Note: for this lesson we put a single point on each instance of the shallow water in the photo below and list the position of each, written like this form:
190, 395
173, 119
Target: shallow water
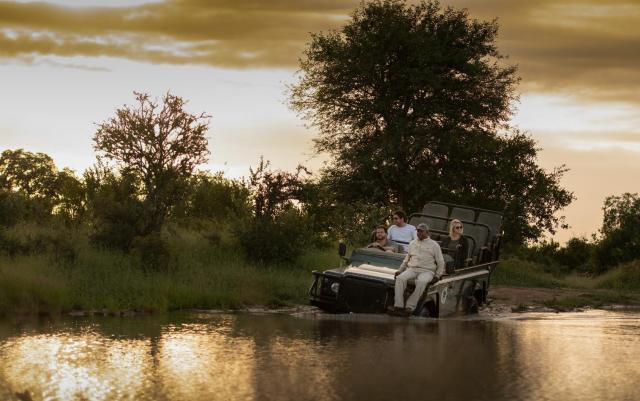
592, 355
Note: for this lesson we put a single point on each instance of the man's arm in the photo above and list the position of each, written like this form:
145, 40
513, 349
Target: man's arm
404, 264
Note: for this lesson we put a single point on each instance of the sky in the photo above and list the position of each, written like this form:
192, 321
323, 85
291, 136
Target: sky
67, 65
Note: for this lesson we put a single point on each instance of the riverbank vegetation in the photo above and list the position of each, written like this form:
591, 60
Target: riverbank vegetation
198, 274
147, 228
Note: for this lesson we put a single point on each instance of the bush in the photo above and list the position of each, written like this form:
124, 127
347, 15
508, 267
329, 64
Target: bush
513, 271
117, 215
213, 197
153, 252
278, 240
576, 255
625, 277
59, 243
619, 246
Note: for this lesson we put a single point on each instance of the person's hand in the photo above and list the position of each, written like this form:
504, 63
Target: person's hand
435, 279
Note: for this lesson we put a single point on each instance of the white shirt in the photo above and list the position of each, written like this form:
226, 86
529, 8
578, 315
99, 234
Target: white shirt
424, 255
406, 233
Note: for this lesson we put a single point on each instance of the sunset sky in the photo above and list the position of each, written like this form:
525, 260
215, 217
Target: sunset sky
66, 65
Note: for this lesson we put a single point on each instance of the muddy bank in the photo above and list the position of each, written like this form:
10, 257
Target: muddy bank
518, 299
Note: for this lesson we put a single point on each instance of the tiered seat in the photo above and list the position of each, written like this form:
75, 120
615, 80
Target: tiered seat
462, 214
493, 220
436, 217
481, 227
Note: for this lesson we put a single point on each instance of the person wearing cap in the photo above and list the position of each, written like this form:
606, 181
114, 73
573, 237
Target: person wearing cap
423, 262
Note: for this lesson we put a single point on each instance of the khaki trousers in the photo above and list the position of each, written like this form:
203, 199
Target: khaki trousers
422, 278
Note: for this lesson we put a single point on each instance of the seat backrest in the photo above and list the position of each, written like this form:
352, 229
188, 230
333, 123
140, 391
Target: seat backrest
493, 220
463, 214
471, 246
479, 233
434, 223
436, 209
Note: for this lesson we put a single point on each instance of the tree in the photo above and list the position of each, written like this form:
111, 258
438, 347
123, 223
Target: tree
620, 241
161, 146
37, 188
278, 228
412, 104
34, 174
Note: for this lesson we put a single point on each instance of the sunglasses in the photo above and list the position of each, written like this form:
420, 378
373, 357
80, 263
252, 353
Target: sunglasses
458, 227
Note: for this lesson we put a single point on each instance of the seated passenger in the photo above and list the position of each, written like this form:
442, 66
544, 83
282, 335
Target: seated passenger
452, 241
401, 231
381, 241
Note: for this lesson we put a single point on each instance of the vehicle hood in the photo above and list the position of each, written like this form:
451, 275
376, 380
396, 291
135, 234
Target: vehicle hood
371, 271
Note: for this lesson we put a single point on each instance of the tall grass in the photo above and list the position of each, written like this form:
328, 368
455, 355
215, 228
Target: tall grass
625, 277
619, 285
198, 275
522, 273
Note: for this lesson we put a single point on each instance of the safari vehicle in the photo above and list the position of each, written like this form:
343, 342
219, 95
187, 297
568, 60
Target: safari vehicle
366, 284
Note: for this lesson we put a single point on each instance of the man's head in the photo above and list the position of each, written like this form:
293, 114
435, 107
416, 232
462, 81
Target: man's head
399, 218
381, 233
423, 231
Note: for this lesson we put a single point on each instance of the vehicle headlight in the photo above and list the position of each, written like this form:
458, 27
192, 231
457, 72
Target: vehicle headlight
335, 287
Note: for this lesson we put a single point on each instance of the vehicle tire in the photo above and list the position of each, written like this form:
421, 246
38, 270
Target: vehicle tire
472, 305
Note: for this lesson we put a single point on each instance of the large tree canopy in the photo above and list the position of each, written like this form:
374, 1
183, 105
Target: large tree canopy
412, 104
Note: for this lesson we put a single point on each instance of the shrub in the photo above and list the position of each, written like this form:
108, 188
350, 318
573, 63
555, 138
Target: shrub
278, 240
576, 255
625, 277
117, 215
59, 243
153, 251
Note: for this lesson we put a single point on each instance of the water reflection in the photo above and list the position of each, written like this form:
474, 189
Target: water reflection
194, 361
68, 367
249, 357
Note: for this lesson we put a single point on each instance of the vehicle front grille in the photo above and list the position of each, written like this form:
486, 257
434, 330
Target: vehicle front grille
363, 296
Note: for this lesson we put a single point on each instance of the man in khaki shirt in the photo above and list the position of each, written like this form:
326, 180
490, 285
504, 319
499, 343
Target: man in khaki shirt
423, 261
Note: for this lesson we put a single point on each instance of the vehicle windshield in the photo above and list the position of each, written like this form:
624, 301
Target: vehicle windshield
376, 257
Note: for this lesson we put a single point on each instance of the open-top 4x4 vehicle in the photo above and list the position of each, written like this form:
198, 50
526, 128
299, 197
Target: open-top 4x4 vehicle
366, 284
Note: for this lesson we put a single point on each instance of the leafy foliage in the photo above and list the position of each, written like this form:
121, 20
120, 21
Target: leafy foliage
412, 104
620, 231
277, 230
32, 188
159, 146
214, 197
115, 212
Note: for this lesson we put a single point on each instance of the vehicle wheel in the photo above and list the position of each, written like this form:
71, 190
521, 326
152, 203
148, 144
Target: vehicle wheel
472, 305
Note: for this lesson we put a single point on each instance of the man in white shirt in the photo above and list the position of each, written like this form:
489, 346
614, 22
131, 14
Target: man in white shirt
424, 260
400, 230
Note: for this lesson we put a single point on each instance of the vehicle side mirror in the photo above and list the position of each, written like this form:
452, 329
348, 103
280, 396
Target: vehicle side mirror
342, 249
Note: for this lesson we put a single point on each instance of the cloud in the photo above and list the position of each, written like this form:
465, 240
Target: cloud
222, 33
586, 48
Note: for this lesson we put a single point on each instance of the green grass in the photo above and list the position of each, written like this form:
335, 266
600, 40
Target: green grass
62, 272
198, 276
521, 273
620, 285
625, 278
